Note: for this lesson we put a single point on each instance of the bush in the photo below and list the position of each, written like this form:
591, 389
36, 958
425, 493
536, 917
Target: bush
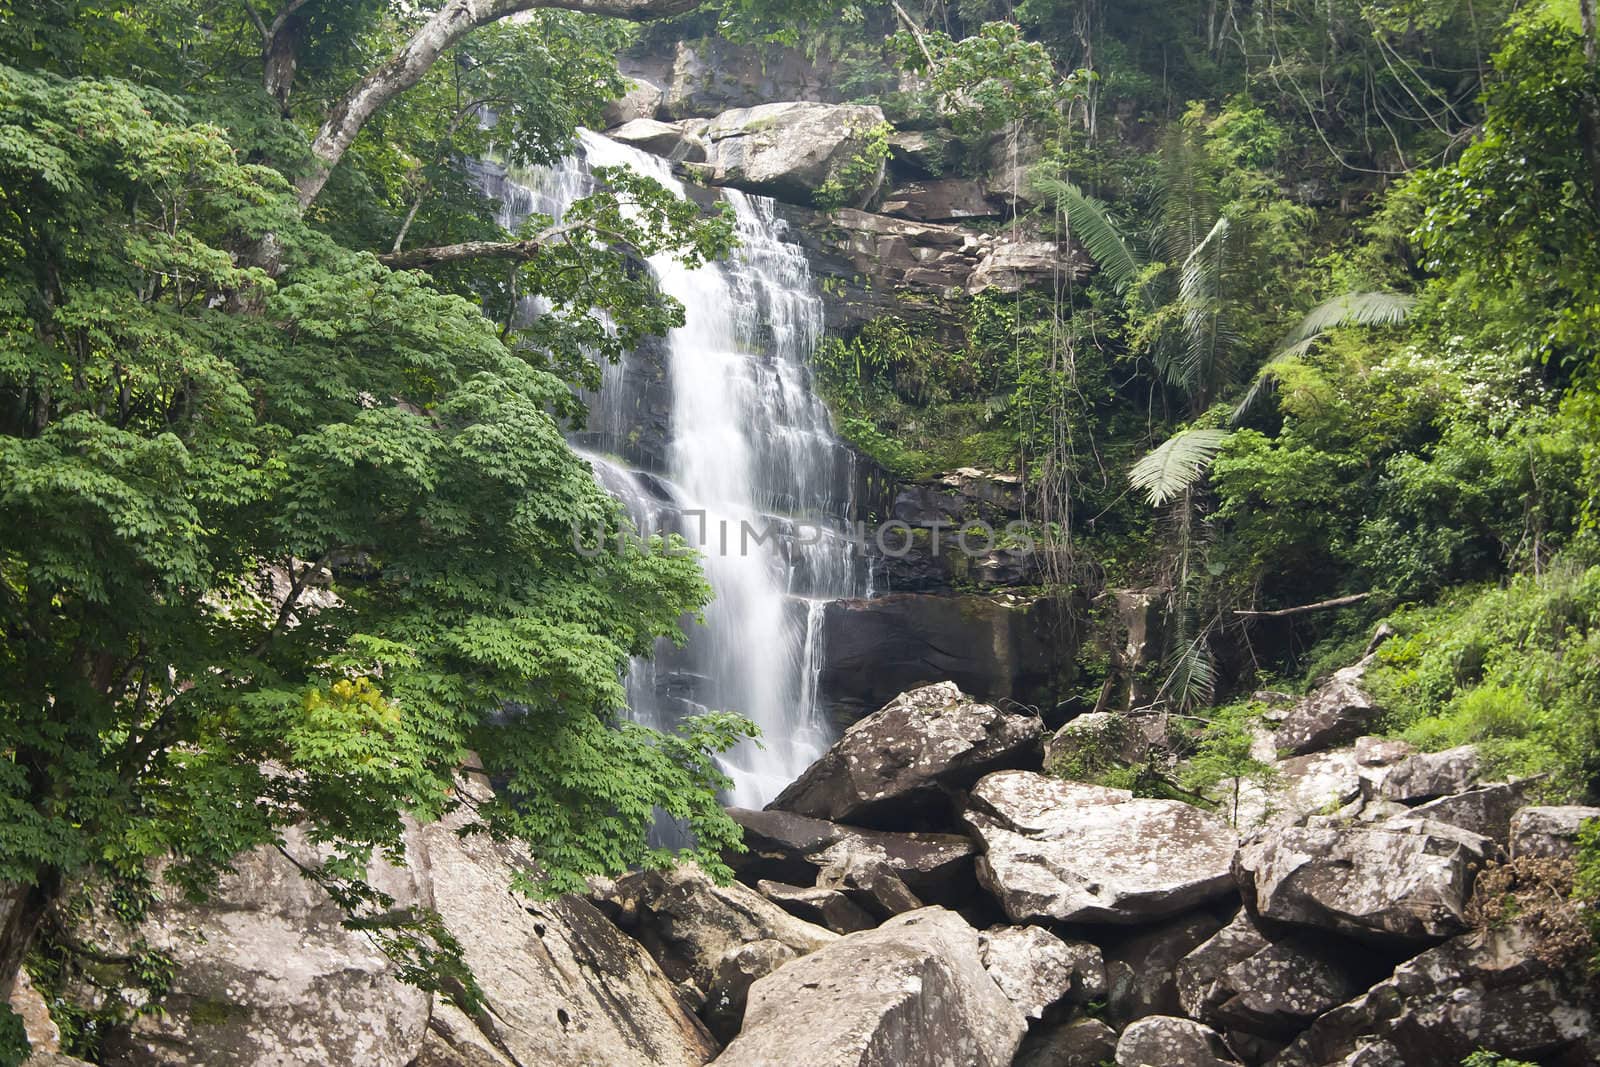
1514, 669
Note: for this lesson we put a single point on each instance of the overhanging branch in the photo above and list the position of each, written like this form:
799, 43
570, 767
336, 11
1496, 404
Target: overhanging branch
432, 39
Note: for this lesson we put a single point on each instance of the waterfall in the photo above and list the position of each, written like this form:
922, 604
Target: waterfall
750, 471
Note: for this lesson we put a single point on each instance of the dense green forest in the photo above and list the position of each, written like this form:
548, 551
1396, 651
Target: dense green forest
1343, 341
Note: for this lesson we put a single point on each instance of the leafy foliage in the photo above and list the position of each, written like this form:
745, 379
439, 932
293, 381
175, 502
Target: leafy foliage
1174, 467
288, 541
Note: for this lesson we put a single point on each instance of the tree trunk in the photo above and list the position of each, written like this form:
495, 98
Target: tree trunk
1589, 107
435, 37
27, 908
279, 59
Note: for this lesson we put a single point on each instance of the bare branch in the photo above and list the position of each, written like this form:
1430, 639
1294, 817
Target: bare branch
422, 258
1321, 605
438, 35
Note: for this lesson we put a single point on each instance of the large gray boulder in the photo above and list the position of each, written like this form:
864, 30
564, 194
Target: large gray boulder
641, 101
1016, 265
1037, 970
674, 141
1058, 851
1168, 1041
1080, 1043
1550, 832
943, 200
1340, 710
889, 768
1300, 786
1486, 810
1197, 974
562, 985
827, 908
786, 847
793, 150
1485, 990
1428, 775
913, 992
266, 973
689, 924
1279, 990
1397, 881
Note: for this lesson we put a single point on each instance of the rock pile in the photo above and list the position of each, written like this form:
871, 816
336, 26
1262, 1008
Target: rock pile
924, 894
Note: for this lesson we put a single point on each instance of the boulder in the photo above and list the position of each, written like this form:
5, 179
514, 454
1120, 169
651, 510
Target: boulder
785, 847
736, 973
1281, 989
1340, 710
1299, 787
1092, 743
863, 872
1081, 1043
922, 152
641, 101
1068, 852
689, 924
958, 497
1036, 969
827, 908
455, 1040
891, 766
792, 150
1168, 1041
1486, 990
1549, 831
1141, 970
1393, 881
1486, 810
566, 986
41, 1031
710, 74
1197, 974
1428, 775
942, 200
266, 972
912, 992
54, 1059
670, 140
997, 647
1381, 751
1017, 265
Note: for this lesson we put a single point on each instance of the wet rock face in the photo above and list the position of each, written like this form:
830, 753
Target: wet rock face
996, 647
912, 992
1067, 852
1392, 881
891, 766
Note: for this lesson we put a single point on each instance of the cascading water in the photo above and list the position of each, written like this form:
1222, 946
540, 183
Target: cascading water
751, 473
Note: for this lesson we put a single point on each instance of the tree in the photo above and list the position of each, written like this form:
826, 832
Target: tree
288, 545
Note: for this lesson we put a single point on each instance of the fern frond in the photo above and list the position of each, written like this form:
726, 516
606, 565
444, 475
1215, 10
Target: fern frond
1176, 465
1090, 222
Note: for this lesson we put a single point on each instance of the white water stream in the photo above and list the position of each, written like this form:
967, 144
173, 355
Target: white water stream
752, 476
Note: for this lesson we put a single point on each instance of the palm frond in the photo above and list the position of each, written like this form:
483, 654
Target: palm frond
1193, 680
1090, 222
1188, 196
1200, 297
1347, 309
1176, 465
1350, 309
